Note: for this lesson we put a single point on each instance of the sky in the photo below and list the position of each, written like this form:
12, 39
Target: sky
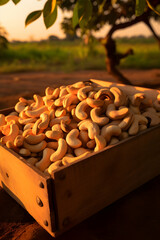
12, 18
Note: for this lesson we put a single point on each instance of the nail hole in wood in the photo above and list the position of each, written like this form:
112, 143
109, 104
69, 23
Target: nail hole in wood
7, 175
41, 185
45, 222
39, 201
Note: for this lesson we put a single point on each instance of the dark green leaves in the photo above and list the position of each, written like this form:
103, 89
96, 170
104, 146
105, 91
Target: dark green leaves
50, 13
82, 13
16, 1
140, 7
32, 17
2, 2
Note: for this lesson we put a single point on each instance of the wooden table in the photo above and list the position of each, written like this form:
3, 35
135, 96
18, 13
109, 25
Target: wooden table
135, 216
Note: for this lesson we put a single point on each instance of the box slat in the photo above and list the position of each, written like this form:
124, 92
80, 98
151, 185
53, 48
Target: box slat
89, 185
30, 188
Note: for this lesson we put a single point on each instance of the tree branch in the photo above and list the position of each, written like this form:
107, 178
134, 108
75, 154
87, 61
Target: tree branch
147, 22
128, 24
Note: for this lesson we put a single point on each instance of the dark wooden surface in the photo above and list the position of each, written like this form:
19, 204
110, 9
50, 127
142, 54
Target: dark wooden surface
135, 216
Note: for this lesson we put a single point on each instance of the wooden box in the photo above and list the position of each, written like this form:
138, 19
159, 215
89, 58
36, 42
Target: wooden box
83, 188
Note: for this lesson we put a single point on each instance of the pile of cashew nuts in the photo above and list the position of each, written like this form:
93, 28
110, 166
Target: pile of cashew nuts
71, 122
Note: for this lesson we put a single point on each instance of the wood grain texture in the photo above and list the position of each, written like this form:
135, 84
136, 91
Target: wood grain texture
89, 185
22, 182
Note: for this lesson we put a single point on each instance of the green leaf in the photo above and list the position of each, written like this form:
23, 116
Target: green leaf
75, 19
2, 2
49, 7
16, 1
140, 7
84, 12
32, 17
156, 10
50, 18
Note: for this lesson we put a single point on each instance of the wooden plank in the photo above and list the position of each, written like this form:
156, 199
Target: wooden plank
130, 90
30, 188
91, 184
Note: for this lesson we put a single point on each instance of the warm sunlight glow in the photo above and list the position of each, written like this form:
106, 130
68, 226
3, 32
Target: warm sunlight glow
12, 18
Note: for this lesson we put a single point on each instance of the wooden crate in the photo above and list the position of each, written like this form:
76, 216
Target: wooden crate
86, 186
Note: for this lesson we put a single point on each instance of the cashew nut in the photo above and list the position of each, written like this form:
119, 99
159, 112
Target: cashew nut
154, 118
126, 122
55, 135
91, 144
2, 120
82, 92
94, 102
35, 139
18, 141
14, 131
70, 99
53, 145
45, 161
80, 111
100, 143
137, 120
72, 139
92, 127
116, 114
38, 102
104, 94
36, 147
113, 141
69, 160
108, 131
119, 97
80, 151
32, 160
54, 166
101, 121
66, 119
83, 136
136, 99
45, 120
60, 152
37, 112
24, 152
20, 106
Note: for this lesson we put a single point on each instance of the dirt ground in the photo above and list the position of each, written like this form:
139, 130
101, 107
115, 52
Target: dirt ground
136, 216
12, 86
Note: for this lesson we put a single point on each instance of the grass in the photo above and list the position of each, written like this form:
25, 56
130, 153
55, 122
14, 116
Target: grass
70, 56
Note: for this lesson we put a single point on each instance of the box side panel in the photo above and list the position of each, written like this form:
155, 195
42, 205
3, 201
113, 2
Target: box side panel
91, 184
27, 187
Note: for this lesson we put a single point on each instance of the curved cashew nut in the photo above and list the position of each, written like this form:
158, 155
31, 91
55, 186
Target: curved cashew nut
18, 141
27, 132
45, 161
54, 121
54, 166
154, 118
91, 94
65, 128
73, 89
137, 120
119, 97
60, 152
70, 99
83, 136
24, 152
28, 126
49, 91
91, 144
55, 135
23, 115
136, 99
13, 113
72, 139
63, 92
69, 160
32, 160
108, 131
20, 106
10, 145
59, 101
104, 94
52, 114
156, 103
92, 127
94, 102
80, 110
123, 135
14, 131
27, 120
116, 114
78, 85
45, 120
82, 92
35, 139
80, 151
36, 147
94, 113
100, 143
2, 120
73, 113
38, 102
10, 118
142, 127
134, 109
113, 141
60, 112
37, 112
126, 122
53, 145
